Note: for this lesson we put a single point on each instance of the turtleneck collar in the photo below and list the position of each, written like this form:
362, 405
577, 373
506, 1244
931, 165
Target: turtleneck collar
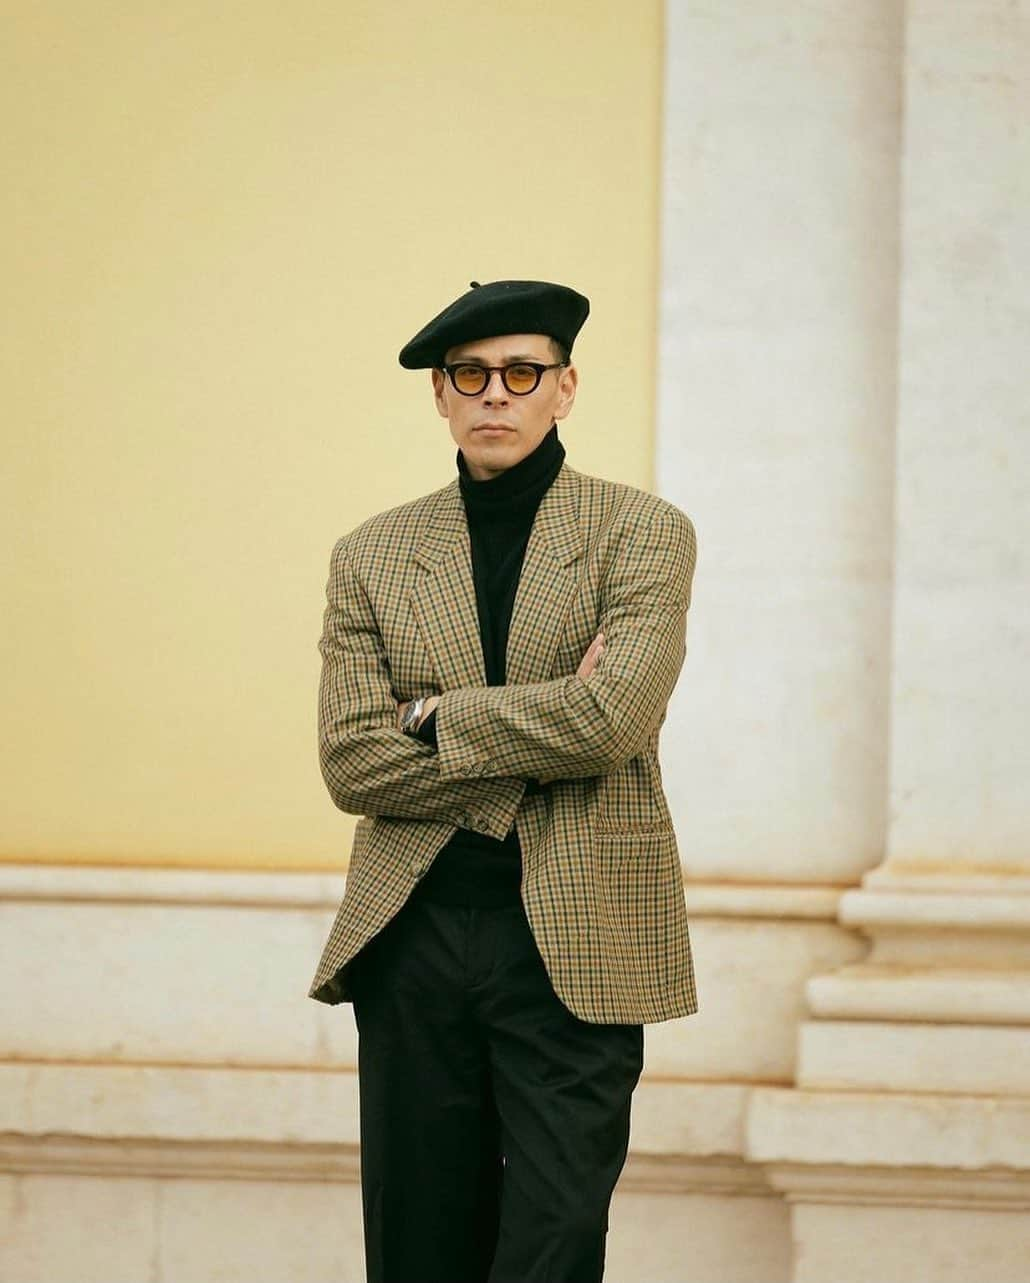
517, 488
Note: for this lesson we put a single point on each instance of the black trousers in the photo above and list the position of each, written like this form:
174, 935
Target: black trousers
494, 1123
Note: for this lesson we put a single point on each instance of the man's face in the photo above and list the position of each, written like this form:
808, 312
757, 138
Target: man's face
495, 428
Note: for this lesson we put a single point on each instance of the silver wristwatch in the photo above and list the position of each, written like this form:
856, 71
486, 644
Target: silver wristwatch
413, 715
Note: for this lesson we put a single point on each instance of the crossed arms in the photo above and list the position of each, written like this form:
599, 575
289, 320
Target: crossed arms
490, 739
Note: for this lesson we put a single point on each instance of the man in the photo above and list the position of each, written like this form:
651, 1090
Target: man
498, 657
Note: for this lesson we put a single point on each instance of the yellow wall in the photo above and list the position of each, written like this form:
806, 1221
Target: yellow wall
220, 222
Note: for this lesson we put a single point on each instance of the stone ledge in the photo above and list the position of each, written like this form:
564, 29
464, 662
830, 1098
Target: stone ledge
779, 901
228, 1105
678, 1174
112, 985
944, 995
64, 883
997, 1190
943, 877
74, 883
703, 1120
945, 1133
239, 1123
952, 908
971, 924
967, 1059
69, 1155
194, 1104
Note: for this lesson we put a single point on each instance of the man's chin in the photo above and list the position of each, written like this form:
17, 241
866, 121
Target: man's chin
493, 455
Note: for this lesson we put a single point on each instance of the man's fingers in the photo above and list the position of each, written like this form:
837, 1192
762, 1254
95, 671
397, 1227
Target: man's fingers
593, 653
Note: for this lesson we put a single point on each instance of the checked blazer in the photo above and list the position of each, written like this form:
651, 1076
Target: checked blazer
601, 880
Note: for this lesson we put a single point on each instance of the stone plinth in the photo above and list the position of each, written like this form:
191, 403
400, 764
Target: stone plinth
167, 1061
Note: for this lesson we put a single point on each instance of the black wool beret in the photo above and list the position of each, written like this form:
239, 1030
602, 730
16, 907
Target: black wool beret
500, 307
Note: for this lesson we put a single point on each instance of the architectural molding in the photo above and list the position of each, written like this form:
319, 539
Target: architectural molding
781, 901
946, 1132
63, 883
146, 1158
75, 883
886, 991
993, 1189
973, 1059
953, 908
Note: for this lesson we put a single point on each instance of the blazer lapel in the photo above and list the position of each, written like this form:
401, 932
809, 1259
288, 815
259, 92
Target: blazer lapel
444, 599
547, 586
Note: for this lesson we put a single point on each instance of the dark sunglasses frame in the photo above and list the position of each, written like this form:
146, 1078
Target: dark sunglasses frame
502, 370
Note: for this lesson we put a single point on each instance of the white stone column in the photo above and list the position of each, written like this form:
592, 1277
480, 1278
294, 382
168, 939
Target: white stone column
906, 1148
960, 691
775, 433
776, 428
949, 909
777, 396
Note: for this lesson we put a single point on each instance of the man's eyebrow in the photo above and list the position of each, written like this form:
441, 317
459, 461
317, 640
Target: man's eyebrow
511, 360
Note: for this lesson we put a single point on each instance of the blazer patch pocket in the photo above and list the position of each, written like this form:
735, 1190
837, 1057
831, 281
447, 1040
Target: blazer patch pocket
630, 800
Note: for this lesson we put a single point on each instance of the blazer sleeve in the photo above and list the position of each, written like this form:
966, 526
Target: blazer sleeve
369, 765
572, 726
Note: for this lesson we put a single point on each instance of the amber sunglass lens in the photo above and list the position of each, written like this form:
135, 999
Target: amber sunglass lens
470, 378
520, 378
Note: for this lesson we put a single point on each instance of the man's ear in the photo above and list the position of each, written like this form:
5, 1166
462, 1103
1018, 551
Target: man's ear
567, 384
439, 393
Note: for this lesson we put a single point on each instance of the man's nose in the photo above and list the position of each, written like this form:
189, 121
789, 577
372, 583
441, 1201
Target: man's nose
495, 389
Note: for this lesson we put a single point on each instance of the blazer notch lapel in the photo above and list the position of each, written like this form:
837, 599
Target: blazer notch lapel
444, 599
442, 528
547, 586
557, 519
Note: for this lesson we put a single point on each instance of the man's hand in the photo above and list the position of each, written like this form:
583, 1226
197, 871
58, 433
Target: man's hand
593, 654
586, 666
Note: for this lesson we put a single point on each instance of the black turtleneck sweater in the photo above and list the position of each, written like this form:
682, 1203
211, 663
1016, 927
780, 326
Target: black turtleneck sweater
473, 868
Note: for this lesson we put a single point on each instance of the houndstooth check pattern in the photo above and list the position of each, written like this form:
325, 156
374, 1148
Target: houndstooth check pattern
601, 877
